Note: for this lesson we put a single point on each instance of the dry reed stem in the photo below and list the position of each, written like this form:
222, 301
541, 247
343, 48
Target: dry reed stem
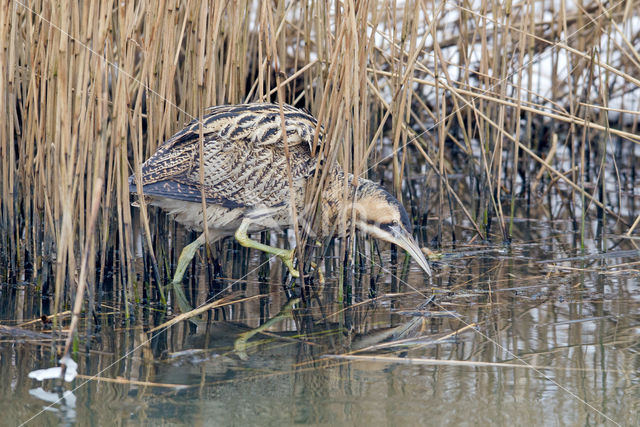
39, 320
125, 381
457, 363
91, 90
223, 302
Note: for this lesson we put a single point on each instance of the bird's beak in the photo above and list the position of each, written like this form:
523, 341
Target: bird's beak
402, 238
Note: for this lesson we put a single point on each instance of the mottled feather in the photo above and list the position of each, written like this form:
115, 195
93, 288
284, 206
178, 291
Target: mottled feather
244, 157
246, 186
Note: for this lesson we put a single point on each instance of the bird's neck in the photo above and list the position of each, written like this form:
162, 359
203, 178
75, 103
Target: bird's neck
340, 191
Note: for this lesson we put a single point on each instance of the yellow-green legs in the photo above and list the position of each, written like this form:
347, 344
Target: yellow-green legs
241, 345
189, 251
285, 255
186, 256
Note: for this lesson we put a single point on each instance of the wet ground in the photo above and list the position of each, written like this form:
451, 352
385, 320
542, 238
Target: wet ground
532, 334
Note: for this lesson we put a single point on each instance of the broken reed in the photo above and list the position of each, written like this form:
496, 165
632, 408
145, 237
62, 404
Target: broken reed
90, 90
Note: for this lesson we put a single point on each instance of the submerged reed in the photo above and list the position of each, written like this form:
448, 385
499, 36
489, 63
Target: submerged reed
469, 115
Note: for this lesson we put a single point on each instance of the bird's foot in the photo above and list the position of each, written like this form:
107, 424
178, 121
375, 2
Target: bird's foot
285, 255
186, 256
287, 258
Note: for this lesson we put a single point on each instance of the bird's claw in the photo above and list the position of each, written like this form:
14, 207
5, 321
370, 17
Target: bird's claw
287, 259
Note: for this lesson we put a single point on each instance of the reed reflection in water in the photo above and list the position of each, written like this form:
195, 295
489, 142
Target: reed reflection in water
527, 334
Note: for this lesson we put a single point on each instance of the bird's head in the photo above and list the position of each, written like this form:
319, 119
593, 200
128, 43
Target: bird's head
381, 215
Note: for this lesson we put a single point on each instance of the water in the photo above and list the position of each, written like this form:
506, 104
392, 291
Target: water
409, 351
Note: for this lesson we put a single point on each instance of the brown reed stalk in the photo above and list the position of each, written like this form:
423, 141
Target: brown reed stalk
92, 89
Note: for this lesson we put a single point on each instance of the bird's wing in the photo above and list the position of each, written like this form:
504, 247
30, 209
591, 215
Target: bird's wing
244, 160
261, 124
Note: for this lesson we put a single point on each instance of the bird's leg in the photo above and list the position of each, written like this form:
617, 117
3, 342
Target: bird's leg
285, 255
186, 256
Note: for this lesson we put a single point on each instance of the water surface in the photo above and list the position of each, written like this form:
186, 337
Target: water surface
531, 334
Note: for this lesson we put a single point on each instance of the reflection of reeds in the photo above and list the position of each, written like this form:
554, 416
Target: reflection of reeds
90, 92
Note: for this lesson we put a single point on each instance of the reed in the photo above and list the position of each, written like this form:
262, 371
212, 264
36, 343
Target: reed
453, 107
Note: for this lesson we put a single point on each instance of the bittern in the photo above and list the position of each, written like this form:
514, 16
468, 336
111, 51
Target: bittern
246, 183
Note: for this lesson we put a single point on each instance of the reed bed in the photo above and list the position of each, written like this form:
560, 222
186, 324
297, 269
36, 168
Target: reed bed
473, 114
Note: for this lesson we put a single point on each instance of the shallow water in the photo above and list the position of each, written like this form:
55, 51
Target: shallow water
531, 334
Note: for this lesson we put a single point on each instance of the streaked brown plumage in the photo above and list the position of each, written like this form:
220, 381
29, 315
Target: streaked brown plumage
245, 180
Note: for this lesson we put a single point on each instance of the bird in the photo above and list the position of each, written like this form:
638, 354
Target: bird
246, 183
